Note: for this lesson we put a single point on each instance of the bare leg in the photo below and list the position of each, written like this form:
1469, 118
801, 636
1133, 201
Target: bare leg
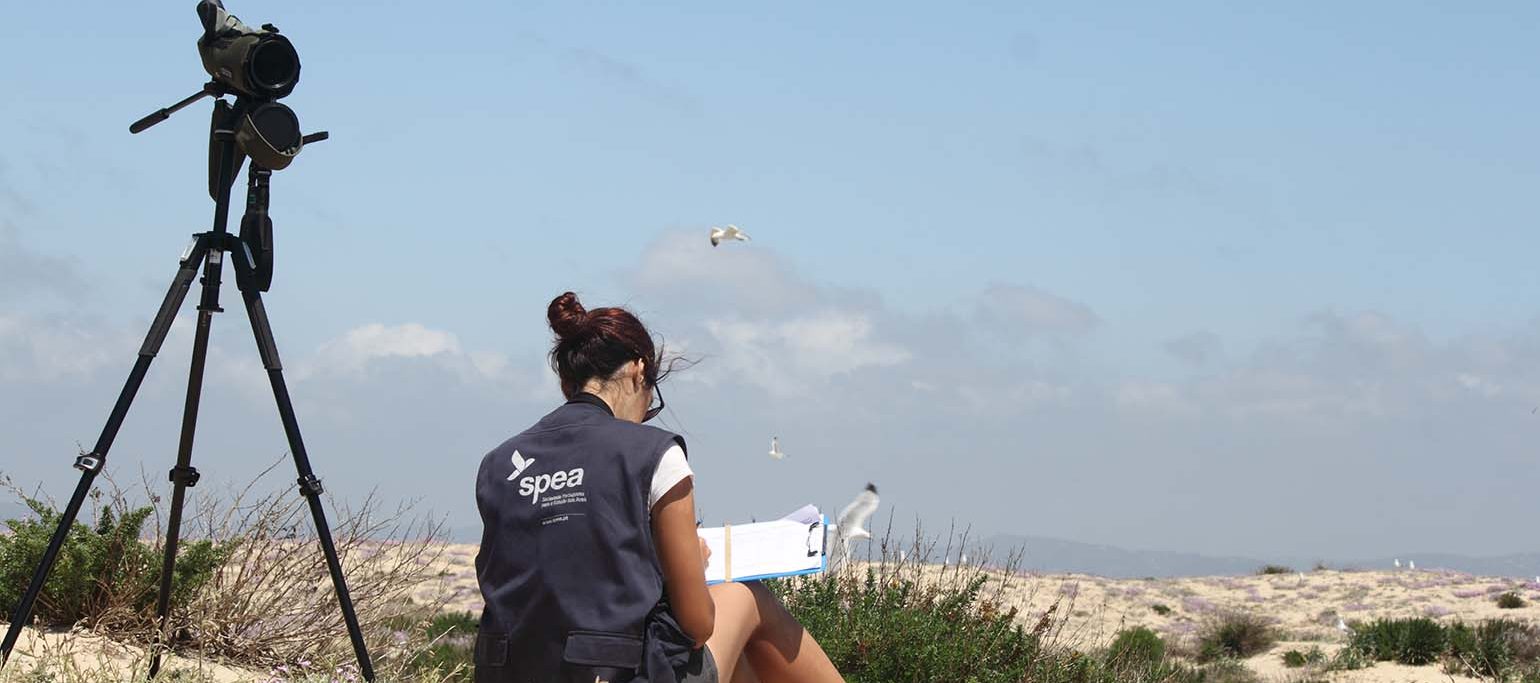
752, 625
743, 672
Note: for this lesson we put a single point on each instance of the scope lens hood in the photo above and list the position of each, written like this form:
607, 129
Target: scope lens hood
269, 134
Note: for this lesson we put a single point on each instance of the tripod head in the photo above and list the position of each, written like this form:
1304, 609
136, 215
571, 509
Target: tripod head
257, 67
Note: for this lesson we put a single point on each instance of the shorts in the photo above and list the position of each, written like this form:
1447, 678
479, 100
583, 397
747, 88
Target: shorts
702, 668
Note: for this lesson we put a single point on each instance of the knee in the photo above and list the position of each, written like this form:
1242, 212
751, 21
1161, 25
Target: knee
758, 590
733, 592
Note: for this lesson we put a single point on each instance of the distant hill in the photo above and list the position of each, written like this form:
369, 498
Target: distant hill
1055, 555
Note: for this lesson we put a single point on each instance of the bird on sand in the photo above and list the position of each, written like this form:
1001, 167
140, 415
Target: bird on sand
1397, 562
775, 448
1342, 626
1412, 565
731, 232
851, 524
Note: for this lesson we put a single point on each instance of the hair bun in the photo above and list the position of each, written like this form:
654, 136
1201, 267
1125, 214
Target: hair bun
567, 316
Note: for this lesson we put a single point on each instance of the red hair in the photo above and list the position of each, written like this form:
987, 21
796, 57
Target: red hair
596, 343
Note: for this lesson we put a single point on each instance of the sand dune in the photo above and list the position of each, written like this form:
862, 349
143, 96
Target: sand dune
1305, 610
1092, 608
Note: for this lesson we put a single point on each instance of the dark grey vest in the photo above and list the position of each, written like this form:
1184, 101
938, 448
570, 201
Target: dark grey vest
567, 565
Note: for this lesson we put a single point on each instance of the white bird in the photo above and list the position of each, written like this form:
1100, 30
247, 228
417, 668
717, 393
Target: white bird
1411, 565
1397, 561
719, 235
851, 524
775, 448
963, 559
1342, 626
904, 557
1302, 578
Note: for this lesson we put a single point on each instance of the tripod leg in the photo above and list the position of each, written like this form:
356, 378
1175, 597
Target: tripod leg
184, 475
309, 485
90, 464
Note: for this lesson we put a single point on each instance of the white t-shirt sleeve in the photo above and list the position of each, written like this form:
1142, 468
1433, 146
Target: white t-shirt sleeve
672, 469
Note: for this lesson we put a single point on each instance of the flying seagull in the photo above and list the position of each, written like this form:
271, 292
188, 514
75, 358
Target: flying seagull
775, 448
719, 235
852, 521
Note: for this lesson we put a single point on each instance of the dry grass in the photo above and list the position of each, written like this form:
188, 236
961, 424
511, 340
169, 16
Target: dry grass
271, 604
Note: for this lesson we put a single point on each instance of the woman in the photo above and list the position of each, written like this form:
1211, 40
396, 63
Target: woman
589, 564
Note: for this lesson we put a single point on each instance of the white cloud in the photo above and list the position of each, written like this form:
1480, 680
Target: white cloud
1196, 349
1155, 398
356, 348
743, 278
1483, 386
1032, 312
795, 355
48, 349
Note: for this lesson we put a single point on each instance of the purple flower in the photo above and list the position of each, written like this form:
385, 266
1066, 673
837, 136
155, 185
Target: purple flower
1182, 627
1469, 594
1196, 604
1436, 611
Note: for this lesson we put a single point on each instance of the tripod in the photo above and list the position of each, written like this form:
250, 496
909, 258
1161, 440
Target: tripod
207, 249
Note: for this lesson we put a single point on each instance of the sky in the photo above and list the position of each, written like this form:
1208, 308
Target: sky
1206, 277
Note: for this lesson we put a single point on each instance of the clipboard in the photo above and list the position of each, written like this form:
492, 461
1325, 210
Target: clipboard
767, 550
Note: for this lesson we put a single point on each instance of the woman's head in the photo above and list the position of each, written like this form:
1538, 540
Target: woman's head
606, 351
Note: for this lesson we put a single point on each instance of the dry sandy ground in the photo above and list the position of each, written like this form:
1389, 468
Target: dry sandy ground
97, 658
1304, 608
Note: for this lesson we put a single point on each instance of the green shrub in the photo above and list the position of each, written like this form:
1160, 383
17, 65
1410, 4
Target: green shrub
1295, 659
1422, 641
1057, 665
1234, 634
905, 628
1414, 642
451, 647
1221, 671
1160, 609
1348, 659
1498, 648
1510, 600
1274, 569
102, 572
1136, 648
1376, 640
